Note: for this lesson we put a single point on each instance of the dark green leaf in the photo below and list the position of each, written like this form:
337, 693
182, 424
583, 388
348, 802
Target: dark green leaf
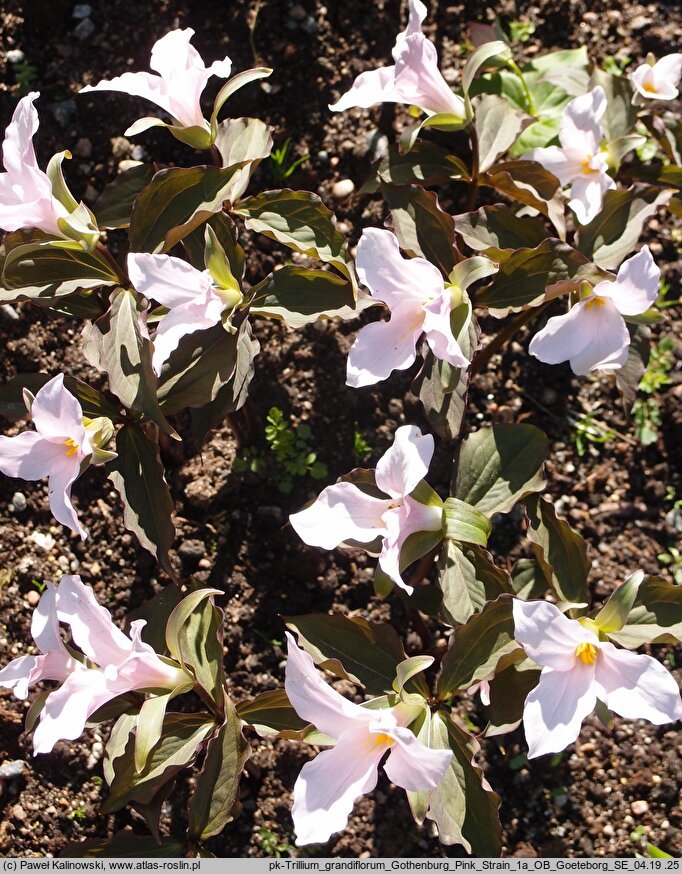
656, 616
497, 230
228, 237
156, 612
272, 713
528, 579
200, 641
630, 375
497, 126
425, 164
138, 476
115, 204
364, 652
93, 403
508, 692
124, 845
560, 551
468, 578
465, 524
298, 296
528, 182
499, 465
614, 614
243, 141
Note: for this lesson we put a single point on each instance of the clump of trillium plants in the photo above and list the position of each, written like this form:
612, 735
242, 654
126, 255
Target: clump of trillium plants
557, 155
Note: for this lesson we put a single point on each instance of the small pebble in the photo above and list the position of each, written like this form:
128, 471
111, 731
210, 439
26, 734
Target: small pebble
18, 502
639, 808
343, 188
15, 56
84, 30
83, 148
298, 13
82, 10
33, 598
12, 770
63, 111
43, 541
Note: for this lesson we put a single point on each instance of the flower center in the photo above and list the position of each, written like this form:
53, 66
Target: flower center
71, 447
383, 740
650, 87
595, 301
587, 165
587, 653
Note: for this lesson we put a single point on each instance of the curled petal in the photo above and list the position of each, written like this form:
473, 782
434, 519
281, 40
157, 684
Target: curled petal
62, 477
341, 512
548, 637
316, 701
57, 415
580, 128
45, 622
587, 195
419, 82
327, 787
405, 462
413, 766
439, 332
92, 627
145, 85
636, 286
636, 686
555, 709
169, 280
370, 87
16, 676
410, 517
382, 347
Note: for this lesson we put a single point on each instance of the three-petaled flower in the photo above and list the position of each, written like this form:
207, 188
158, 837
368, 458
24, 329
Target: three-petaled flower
194, 300
579, 162
56, 449
659, 81
414, 291
123, 664
343, 512
414, 79
327, 787
577, 669
593, 334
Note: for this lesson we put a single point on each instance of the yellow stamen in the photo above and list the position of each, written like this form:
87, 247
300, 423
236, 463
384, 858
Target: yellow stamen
72, 447
383, 740
649, 87
586, 165
595, 301
587, 653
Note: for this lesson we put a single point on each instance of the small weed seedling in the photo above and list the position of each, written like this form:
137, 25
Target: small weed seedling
290, 446
361, 448
672, 559
281, 170
588, 431
645, 411
521, 31
271, 845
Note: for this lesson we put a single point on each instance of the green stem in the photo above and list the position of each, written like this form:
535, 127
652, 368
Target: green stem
506, 334
530, 103
472, 190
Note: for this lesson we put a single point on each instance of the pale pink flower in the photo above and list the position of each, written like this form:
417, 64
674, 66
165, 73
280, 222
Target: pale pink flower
593, 335
659, 81
178, 87
414, 79
26, 198
343, 512
579, 162
577, 669
327, 787
124, 664
414, 291
55, 449
193, 300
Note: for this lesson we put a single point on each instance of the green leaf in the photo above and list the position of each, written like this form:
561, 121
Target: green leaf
271, 713
60, 189
40, 271
149, 727
217, 262
125, 845
478, 647
156, 612
93, 403
245, 77
656, 616
227, 235
614, 614
138, 477
528, 182
118, 344
468, 577
411, 668
508, 692
629, 376
367, 653
499, 465
560, 551
497, 231
463, 806
613, 233
421, 226
243, 141
300, 221
541, 133
193, 618
465, 523
528, 579
298, 296
182, 737
425, 164
478, 58
115, 204
217, 784
497, 127
176, 202
528, 277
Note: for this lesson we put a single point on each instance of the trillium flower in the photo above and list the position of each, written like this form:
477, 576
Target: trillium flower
579, 162
659, 81
414, 79
414, 291
123, 664
26, 196
193, 299
343, 512
577, 669
56, 449
327, 787
593, 334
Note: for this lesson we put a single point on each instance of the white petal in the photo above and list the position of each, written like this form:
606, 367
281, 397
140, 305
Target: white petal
419, 82
587, 195
173, 53
636, 686
316, 701
607, 340
184, 319
410, 517
145, 85
413, 766
405, 462
562, 337
341, 512
636, 286
439, 332
382, 347
62, 477
643, 76
57, 414
28, 455
548, 637
370, 87
668, 69
16, 675
580, 128
92, 627
555, 709
45, 622
327, 787
166, 279
562, 163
